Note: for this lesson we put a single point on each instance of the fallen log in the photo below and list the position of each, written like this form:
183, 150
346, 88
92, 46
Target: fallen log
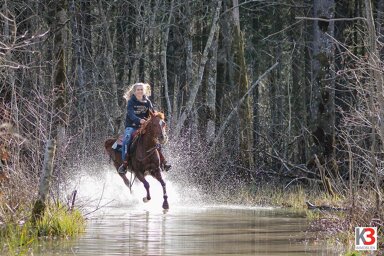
323, 207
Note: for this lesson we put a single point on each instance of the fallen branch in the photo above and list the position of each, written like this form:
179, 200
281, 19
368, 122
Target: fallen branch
323, 207
329, 20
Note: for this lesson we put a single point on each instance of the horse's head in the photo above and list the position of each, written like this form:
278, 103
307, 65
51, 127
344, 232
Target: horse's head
156, 126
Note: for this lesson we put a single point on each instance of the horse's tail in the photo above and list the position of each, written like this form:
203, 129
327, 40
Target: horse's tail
108, 144
108, 147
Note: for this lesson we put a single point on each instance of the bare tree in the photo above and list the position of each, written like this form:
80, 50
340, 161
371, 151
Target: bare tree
322, 105
241, 80
198, 78
376, 84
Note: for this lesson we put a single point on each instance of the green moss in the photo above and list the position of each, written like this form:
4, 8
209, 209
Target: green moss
323, 59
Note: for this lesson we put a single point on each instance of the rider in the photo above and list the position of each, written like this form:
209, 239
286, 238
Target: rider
138, 107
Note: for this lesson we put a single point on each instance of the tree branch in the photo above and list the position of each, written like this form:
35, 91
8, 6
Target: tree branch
328, 20
198, 79
235, 109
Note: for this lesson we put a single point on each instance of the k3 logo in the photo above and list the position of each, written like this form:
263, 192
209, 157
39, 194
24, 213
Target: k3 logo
365, 238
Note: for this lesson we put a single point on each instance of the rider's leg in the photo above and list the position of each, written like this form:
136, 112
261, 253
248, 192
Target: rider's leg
127, 137
163, 162
124, 154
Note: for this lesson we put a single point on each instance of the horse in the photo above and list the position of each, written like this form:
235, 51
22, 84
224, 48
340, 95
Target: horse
144, 158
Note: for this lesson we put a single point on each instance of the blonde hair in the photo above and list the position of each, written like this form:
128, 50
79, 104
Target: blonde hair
131, 90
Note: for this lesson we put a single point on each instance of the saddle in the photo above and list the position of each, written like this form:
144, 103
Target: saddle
118, 145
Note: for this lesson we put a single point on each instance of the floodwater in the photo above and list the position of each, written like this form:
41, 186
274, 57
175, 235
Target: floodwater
127, 226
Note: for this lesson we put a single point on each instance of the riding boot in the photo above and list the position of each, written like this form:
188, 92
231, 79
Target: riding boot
123, 167
163, 162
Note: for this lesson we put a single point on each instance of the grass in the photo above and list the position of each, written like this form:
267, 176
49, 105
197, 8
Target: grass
355, 253
294, 198
57, 222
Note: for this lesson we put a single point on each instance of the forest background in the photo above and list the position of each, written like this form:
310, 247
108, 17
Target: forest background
283, 92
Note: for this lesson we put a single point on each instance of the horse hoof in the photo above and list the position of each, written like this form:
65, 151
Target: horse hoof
165, 206
145, 199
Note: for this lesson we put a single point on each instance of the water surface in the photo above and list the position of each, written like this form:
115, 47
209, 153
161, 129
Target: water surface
209, 230
192, 226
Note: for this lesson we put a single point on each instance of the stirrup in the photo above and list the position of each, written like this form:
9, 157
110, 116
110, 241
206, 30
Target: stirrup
123, 168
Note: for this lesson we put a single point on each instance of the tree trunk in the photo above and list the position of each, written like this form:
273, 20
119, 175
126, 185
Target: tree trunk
224, 124
298, 95
322, 108
131, 46
189, 57
380, 27
376, 88
78, 58
120, 54
45, 181
164, 64
211, 91
197, 80
115, 111
57, 19
241, 79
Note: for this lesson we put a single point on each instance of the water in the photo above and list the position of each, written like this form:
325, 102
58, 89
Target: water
127, 226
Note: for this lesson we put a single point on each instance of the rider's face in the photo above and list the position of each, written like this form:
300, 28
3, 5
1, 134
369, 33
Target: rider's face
139, 92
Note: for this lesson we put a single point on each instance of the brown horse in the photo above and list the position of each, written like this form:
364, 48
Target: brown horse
145, 158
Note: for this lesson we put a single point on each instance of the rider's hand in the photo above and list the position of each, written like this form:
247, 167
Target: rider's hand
142, 121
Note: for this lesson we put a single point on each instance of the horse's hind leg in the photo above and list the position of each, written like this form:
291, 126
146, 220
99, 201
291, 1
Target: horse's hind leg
141, 178
158, 176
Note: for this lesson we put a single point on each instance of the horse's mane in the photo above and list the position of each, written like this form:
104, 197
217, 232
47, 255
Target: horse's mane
143, 127
159, 115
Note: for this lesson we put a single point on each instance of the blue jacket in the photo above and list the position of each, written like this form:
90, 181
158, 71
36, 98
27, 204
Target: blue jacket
137, 110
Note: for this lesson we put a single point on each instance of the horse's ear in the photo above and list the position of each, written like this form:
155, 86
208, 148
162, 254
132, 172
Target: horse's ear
151, 113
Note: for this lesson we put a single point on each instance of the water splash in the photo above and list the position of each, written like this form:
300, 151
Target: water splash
99, 192
188, 183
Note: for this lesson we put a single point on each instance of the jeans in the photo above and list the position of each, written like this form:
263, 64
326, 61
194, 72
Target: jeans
127, 140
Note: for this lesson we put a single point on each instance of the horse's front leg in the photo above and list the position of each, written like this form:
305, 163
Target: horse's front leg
141, 178
126, 181
157, 175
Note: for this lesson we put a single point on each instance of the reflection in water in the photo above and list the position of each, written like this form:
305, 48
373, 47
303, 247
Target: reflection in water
189, 231
127, 226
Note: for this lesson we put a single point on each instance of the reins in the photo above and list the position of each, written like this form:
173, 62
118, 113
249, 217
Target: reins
150, 151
